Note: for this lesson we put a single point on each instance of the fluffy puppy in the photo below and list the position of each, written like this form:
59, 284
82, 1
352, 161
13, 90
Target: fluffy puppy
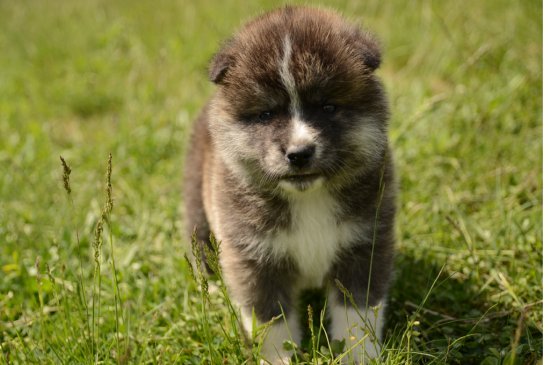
289, 167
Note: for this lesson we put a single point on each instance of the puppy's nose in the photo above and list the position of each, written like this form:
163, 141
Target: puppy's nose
300, 156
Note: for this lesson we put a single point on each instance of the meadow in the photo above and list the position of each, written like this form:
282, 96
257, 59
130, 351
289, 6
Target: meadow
94, 263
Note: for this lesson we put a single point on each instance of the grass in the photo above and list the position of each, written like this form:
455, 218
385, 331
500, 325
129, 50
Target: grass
85, 79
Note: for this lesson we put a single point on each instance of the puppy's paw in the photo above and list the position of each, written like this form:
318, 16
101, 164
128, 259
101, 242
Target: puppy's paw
362, 333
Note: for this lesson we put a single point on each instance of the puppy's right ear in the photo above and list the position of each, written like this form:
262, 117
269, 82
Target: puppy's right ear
220, 63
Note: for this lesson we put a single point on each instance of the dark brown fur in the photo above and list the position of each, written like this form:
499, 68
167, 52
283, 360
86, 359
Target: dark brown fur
332, 62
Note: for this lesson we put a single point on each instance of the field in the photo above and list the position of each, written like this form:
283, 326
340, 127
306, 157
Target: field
93, 269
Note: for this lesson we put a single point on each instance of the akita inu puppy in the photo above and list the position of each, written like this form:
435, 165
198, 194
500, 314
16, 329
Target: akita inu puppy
289, 167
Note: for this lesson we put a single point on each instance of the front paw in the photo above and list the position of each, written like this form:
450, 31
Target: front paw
272, 341
362, 333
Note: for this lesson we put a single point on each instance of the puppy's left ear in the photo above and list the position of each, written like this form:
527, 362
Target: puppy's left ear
369, 47
220, 63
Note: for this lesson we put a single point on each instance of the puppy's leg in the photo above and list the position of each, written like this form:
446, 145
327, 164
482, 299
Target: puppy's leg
367, 287
265, 288
276, 333
361, 328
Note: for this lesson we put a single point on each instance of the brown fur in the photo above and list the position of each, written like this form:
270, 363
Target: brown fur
236, 161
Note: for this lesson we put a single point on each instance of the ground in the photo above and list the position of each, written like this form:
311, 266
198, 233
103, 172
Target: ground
81, 283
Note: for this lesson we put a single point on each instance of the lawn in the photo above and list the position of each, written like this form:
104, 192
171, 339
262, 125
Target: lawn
97, 274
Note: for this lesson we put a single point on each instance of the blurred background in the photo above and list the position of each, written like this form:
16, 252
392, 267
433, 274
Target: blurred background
82, 79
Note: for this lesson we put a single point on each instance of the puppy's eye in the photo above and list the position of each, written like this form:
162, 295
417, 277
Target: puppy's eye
329, 108
266, 115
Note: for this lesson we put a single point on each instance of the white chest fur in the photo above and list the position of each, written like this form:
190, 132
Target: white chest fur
315, 235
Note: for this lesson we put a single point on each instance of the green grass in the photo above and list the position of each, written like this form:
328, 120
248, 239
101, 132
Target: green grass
88, 78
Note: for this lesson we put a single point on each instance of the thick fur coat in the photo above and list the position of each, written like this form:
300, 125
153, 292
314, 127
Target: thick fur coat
289, 167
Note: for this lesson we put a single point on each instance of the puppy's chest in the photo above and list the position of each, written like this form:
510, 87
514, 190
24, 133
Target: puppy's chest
314, 237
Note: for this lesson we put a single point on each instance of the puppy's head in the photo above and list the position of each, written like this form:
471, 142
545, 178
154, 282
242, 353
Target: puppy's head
298, 105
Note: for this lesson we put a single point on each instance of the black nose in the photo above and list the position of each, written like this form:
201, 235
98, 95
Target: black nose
300, 156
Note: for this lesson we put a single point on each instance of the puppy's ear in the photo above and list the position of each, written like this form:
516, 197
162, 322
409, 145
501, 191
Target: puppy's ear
220, 63
369, 47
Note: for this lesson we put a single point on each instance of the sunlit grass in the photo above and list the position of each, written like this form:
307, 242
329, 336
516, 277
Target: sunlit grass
85, 79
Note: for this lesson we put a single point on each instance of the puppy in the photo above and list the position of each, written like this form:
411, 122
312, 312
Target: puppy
289, 167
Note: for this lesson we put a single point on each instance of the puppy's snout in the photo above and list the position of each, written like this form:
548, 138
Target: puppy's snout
300, 156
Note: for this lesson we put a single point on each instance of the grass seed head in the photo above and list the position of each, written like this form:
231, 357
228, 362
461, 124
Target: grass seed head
190, 265
97, 242
66, 175
109, 188
37, 267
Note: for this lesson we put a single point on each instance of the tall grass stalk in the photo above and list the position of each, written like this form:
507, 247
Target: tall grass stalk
96, 293
106, 215
82, 291
93, 320
235, 337
314, 341
202, 282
